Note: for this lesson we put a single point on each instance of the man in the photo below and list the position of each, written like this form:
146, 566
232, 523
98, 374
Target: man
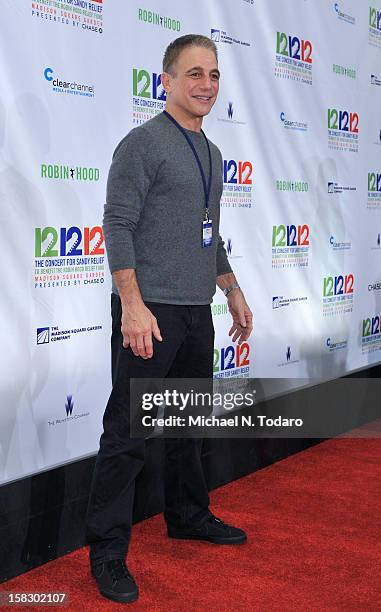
163, 196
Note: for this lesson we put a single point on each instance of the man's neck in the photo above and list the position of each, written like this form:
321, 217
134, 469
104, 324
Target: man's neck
189, 123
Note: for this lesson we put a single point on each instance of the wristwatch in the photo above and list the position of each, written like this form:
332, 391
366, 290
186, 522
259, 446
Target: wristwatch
227, 290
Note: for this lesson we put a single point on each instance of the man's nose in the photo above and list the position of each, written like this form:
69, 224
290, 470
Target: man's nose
207, 82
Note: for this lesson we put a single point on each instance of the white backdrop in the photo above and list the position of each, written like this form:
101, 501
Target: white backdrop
300, 133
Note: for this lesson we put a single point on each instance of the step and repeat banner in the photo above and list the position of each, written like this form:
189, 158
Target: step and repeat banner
298, 122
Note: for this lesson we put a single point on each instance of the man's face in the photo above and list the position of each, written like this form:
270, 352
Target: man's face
194, 84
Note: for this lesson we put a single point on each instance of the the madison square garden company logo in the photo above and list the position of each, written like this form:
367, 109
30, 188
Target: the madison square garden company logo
83, 15
293, 58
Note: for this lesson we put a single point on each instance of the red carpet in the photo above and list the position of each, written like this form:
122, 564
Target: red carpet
314, 529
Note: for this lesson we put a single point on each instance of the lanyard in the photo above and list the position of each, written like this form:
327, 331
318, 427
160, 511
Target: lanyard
186, 136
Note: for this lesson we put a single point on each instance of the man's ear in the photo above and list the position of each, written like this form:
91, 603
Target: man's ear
166, 81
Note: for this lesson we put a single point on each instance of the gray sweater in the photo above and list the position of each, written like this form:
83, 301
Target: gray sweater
154, 211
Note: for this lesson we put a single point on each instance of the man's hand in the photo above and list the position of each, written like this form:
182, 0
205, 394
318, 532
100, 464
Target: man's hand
242, 316
138, 325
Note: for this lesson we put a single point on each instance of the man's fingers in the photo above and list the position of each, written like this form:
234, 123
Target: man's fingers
156, 330
126, 341
148, 344
140, 345
236, 335
134, 346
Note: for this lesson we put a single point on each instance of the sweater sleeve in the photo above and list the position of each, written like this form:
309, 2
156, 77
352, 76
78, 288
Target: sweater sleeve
129, 180
223, 266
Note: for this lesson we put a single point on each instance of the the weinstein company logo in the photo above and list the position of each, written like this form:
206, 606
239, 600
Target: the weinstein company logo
230, 111
69, 405
289, 359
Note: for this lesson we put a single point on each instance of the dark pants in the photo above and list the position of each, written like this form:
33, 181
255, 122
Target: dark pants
185, 352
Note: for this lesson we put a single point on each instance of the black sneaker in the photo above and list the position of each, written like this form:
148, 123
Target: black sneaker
213, 530
115, 581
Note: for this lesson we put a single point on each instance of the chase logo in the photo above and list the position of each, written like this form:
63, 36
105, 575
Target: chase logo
60, 85
69, 405
43, 335
276, 301
215, 35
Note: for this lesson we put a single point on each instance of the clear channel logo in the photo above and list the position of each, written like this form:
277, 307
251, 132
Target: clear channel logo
293, 124
333, 345
63, 85
338, 245
343, 16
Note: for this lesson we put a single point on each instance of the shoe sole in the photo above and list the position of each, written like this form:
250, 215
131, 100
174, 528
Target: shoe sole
237, 540
120, 598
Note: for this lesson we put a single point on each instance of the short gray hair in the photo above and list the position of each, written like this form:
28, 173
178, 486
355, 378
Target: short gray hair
174, 49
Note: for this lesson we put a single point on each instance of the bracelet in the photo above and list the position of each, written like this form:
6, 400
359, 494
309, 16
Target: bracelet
227, 290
